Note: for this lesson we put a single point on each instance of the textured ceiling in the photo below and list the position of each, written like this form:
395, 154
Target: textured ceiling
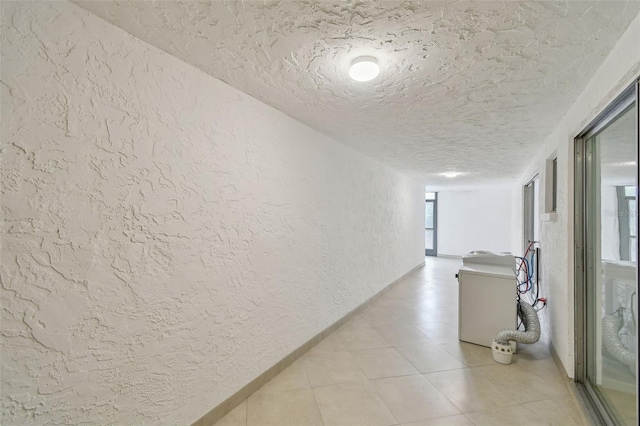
466, 86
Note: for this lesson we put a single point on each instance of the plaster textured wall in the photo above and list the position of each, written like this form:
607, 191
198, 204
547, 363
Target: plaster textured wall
474, 220
465, 85
618, 70
165, 237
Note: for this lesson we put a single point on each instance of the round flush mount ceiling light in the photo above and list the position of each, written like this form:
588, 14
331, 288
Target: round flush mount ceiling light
364, 68
451, 174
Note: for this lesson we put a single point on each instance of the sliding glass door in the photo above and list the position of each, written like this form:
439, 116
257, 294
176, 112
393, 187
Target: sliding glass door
606, 262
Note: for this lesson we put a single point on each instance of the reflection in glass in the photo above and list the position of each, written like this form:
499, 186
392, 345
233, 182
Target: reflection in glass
631, 205
630, 191
611, 283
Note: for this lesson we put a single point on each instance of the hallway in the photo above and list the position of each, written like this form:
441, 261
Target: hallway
399, 361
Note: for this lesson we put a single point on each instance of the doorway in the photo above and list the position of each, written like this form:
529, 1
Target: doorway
431, 224
606, 195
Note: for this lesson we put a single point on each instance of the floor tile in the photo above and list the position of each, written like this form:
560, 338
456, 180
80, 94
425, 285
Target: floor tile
545, 368
522, 386
292, 377
459, 420
331, 343
412, 398
395, 304
438, 331
556, 412
471, 355
355, 404
373, 311
380, 317
451, 323
383, 362
516, 415
365, 338
289, 408
401, 335
429, 357
416, 316
354, 324
235, 417
468, 391
332, 367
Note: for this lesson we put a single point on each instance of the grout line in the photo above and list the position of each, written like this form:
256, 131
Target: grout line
341, 383
445, 396
383, 401
469, 418
393, 377
407, 359
316, 400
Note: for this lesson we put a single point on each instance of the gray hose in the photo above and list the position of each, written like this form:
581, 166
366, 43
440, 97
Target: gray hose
531, 323
611, 325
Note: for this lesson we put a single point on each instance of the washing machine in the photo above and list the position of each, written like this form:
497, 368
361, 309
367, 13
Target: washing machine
487, 297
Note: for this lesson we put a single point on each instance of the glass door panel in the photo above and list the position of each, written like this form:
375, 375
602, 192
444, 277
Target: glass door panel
611, 265
430, 220
428, 239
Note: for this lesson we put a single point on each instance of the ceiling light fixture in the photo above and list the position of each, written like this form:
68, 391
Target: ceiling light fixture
364, 68
450, 174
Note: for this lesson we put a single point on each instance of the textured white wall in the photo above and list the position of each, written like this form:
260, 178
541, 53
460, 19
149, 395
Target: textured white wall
167, 238
474, 220
619, 69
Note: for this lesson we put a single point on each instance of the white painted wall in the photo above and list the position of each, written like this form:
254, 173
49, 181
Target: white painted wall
618, 70
474, 220
167, 238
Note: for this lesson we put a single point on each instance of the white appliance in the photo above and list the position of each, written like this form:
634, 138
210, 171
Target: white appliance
487, 296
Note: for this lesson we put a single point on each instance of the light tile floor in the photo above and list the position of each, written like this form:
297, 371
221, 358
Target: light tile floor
399, 362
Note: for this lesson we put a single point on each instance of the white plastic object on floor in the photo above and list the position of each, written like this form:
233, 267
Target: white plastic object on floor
502, 353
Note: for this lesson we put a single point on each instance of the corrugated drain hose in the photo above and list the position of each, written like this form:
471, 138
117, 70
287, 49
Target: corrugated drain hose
501, 346
611, 325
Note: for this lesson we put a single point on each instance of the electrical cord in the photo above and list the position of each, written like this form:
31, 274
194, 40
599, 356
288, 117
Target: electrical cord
526, 266
537, 285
